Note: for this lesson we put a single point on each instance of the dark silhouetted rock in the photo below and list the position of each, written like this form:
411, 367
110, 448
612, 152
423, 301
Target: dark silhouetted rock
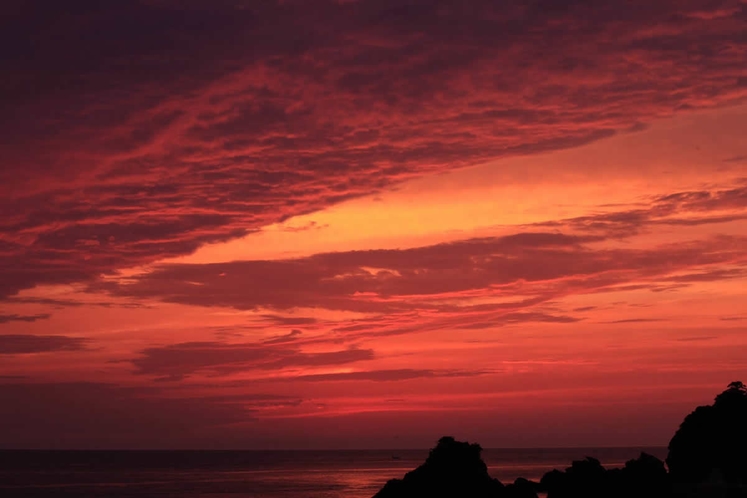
707, 459
553, 480
644, 477
521, 488
645, 468
584, 478
711, 444
453, 469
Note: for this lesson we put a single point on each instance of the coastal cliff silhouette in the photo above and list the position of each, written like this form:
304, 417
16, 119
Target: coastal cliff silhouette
707, 458
453, 468
709, 450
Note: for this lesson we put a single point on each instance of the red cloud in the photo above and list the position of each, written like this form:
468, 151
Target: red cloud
176, 361
133, 132
538, 266
23, 318
680, 208
385, 375
14, 344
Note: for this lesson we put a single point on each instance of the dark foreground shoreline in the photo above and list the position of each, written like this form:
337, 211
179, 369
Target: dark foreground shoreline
707, 458
252, 473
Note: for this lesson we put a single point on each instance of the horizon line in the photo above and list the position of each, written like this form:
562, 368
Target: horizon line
216, 450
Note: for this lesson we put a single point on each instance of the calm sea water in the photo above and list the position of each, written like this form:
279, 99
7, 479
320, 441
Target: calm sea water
244, 474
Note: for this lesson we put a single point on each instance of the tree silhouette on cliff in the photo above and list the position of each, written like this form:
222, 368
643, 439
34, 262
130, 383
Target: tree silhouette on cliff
711, 443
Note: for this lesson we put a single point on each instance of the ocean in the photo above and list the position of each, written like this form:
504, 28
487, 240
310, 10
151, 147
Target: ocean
244, 474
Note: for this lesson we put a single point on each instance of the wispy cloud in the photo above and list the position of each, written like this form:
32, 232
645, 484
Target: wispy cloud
384, 375
536, 265
13, 344
175, 361
23, 318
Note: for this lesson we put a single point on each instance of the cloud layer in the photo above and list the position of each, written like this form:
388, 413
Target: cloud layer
11, 344
133, 132
177, 360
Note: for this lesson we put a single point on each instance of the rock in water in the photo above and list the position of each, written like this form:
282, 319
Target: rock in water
453, 469
521, 488
644, 477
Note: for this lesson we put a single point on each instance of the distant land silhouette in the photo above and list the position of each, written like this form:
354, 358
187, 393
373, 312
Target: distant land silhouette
707, 459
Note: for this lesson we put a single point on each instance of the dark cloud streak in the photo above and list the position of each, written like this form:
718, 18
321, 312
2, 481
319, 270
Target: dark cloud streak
23, 318
385, 375
175, 361
539, 263
16, 344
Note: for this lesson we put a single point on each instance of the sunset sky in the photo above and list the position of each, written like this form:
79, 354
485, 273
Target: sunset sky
369, 223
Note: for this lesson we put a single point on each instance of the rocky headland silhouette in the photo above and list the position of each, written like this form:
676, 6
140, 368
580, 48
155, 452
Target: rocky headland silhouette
707, 458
